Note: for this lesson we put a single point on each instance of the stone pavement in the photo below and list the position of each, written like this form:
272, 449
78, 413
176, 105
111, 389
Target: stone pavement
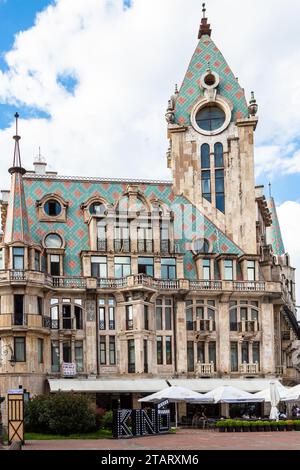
187, 439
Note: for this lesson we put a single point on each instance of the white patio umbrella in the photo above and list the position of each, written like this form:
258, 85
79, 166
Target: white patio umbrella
275, 399
175, 395
293, 394
266, 393
229, 394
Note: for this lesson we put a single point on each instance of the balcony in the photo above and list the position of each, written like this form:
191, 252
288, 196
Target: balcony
20, 276
165, 246
205, 285
22, 321
251, 327
101, 245
104, 283
69, 282
249, 369
204, 326
249, 286
122, 246
205, 370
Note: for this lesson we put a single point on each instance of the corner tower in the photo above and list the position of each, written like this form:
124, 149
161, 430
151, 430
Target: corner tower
211, 131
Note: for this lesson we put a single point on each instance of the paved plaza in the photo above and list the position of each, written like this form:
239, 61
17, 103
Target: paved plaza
183, 440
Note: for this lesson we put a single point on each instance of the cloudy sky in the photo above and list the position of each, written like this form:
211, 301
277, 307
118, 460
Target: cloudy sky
91, 80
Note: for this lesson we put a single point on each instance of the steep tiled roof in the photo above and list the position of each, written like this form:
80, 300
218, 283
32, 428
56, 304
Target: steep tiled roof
274, 236
189, 222
207, 53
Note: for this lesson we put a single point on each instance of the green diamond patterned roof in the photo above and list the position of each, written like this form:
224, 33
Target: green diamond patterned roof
207, 52
274, 236
75, 230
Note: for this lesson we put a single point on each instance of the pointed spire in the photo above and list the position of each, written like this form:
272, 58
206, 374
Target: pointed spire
274, 236
17, 166
205, 29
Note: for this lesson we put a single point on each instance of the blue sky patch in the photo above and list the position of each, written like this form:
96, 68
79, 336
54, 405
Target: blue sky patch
68, 82
7, 112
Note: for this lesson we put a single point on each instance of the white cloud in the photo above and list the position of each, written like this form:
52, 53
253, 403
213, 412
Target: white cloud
126, 63
289, 217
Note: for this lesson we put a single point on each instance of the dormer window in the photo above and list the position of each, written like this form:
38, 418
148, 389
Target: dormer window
53, 240
97, 209
52, 208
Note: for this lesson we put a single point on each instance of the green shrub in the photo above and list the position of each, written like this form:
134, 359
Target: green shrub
60, 413
107, 420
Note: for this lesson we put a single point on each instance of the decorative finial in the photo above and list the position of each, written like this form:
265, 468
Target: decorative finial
270, 189
204, 26
176, 89
17, 166
17, 118
253, 106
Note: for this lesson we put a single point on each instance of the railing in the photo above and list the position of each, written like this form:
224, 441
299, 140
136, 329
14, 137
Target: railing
206, 285
165, 246
249, 368
17, 275
165, 284
68, 323
101, 244
145, 246
248, 326
280, 370
46, 322
122, 246
204, 325
205, 369
104, 283
69, 282
249, 286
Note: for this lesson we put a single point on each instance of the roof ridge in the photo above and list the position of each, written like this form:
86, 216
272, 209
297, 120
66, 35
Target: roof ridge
95, 179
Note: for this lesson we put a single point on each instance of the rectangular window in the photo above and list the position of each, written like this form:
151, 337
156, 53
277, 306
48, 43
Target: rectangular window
99, 266
54, 314
168, 268
256, 352
19, 318
79, 356
251, 270
1, 259
244, 314
40, 306
55, 356
37, 260
102, 350
168, 314
245, 352
122, 267
234, 357
145, 356
206, 269
112, 350
168, 350
40, 351
18, 258
164, 236
220, 190
67, 320
146, 317
254, 315
159, 350
201, 352
20, 348
129, 317
228, 270
206, 185
158, 314
212, 357
190, 356
102, 323
233, 320
189, 319
55, 265
131, 356
122, 239
67, 353
111, 317
144, 236
146, 266
78, 317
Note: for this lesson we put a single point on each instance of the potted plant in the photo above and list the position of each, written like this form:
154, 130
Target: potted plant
246, 426
297, 425
274, 425
221, 426
260, 426
230, 425
289, 425
267, 426
281, 425
253, 426
238, 425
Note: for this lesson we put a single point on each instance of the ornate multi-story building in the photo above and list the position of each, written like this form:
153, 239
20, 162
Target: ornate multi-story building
113, 286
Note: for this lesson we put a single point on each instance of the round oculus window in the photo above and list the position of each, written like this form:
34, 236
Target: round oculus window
53, 241
52, 208
210, 118
201, 246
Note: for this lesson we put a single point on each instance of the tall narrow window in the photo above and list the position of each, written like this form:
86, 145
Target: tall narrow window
190, 356
159, 350
67, 352
206, 185
234, 357
40, 350
18, 258
129, 317
1, 259
168, 350
102, 350
67, 319
168, 268
131, 356
145, 356
19, 318
55, 357
20, 348
251, 270
256, 352
245, 352
79, 355
201, 352
111, 314
206, 269
146, 317
228, 270
164, 235
219, 159
112, 350
40, 305
78, 317
37, 260
205, 157
212, 357
168, 314
101, 235
55, 265
54, 315
233, 320
144, 236
122, 236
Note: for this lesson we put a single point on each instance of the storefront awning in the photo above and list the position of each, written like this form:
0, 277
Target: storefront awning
107, 386
207, 385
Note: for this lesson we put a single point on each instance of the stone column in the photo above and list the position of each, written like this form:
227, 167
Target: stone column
181, 338
223, 350
267, 353
92, 337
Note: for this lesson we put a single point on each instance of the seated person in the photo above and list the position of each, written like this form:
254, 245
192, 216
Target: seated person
282, 415
246, 415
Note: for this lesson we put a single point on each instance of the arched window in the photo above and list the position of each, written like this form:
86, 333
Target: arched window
218, 151
205, 157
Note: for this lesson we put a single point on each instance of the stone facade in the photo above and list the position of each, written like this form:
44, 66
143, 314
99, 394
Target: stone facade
144, 279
